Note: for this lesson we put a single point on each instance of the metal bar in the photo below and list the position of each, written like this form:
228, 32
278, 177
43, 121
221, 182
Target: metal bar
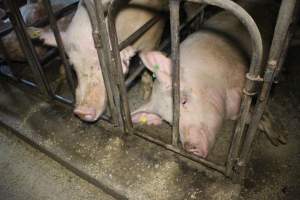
163, 46
255, 67
122, 101
140, 32
169, 147
288, 41
28, 48
60, 47
101, 39
175, 23
284, 21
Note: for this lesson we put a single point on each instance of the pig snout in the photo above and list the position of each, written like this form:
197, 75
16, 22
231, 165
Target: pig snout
195, 140
91, 100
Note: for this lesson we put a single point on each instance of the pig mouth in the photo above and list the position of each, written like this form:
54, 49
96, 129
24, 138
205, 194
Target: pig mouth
88, 114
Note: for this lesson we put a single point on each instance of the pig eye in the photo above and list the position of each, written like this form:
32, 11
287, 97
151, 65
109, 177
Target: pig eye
184, 103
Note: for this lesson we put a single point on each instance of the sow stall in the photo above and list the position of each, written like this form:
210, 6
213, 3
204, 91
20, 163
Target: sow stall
118, 119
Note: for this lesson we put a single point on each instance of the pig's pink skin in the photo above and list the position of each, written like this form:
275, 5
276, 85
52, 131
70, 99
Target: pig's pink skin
212, 78
91, 99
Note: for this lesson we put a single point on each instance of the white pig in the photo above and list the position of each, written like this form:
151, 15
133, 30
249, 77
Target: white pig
91, 98
212, 76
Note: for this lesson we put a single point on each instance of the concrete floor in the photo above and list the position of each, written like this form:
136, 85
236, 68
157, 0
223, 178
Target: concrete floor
27, 174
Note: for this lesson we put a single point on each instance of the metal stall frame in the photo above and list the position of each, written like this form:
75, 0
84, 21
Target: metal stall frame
41, 82
278, 51
108, 49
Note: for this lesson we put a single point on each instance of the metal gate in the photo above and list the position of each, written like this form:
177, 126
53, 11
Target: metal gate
108, 49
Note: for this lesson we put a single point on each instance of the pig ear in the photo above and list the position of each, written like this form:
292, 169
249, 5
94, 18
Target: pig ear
160, 65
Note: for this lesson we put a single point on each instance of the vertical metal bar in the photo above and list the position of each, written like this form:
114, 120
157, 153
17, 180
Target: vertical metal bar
28, 48
174, 20
284, 21
122, 101
101, 41
60, 46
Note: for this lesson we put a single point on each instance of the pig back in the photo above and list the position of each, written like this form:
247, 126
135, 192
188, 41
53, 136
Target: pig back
134, 16
227, 25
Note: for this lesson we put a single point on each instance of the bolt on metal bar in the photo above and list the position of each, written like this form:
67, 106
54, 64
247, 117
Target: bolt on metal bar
101, 39
122, 102
28, 48
60, 47
284, 21
175, 40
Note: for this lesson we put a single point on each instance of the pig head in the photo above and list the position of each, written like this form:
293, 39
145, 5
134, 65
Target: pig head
212, 79
91, 98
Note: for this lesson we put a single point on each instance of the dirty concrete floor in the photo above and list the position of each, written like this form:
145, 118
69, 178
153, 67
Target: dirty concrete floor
27, 174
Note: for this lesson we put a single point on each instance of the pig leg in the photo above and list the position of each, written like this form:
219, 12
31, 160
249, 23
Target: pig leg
271, 128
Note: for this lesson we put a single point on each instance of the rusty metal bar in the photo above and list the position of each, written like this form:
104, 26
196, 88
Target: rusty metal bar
122, 100
101, 39
177, 150
175, 40
60, 47
28, 48
284, 21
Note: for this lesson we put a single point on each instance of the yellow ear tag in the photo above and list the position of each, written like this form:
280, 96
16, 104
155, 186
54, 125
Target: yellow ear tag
143, 120
34, 33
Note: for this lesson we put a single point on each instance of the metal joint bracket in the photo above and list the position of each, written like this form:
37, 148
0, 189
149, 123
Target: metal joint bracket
254, 78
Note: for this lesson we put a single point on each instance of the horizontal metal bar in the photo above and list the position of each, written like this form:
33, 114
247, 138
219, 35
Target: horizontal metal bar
169, 147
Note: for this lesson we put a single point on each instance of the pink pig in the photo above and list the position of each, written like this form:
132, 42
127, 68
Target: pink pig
91, 98
212, 76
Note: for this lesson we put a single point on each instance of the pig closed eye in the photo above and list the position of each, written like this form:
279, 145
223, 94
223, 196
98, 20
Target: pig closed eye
184, 103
